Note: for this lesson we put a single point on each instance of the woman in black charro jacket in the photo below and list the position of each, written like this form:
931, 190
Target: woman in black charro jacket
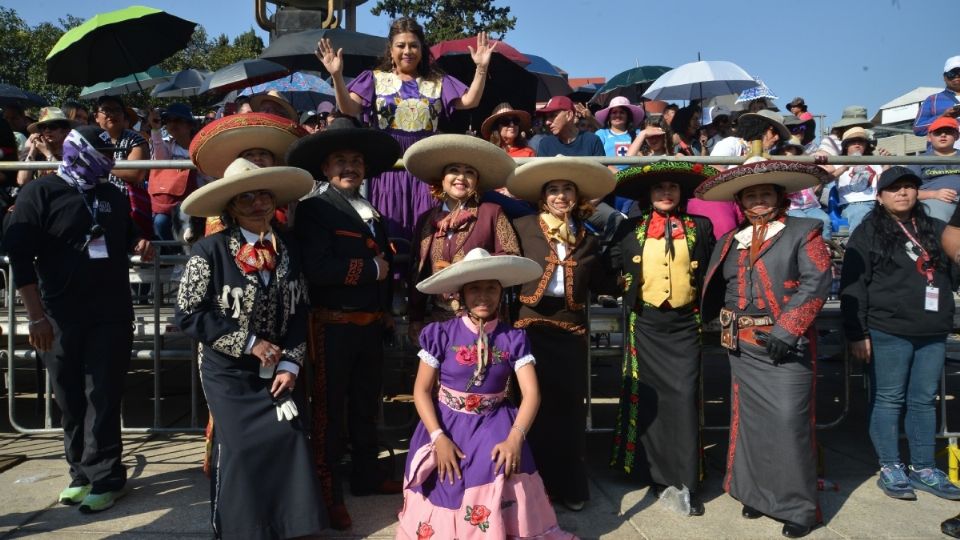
657, 435
242, 296
553, 310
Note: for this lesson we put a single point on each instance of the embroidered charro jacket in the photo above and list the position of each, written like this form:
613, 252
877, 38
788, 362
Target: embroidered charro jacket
790, 280
484, 226
221, 306
583, 273
338, 254
625, 252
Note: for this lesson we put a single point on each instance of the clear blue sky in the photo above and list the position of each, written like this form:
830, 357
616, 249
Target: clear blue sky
831, 52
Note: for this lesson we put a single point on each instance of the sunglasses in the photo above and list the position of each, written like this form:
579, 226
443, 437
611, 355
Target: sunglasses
797, 129
248, 197
510, 122
952, 74
110, 111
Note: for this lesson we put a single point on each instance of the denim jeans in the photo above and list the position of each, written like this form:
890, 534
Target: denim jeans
905, 370
939, 209
814, 213
163, 226
855, 212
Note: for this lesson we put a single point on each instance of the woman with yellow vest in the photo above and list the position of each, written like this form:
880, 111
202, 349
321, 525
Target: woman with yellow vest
662, 253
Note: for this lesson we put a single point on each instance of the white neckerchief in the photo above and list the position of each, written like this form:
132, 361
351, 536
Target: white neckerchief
253, 238
745, 237
363, 208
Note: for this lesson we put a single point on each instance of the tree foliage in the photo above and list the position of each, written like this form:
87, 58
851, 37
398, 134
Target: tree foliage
451, 19
23, 50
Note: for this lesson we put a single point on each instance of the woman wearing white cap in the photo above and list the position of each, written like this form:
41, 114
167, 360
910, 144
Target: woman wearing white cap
243, 297
553, 309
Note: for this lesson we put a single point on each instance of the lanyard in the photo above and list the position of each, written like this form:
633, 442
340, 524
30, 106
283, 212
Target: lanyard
924, 265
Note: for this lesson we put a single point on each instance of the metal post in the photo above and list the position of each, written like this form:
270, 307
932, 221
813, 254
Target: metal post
156, 342
589, 337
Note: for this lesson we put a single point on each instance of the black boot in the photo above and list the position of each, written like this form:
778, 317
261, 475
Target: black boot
795, 530
696, 505
750, 512
951, 527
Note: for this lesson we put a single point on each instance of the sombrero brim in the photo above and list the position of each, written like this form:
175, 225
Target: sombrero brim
427, 158
509, 270
486, 128
35, 127
380, 150
257, 100
215, 147
790, 175
592, 179
287, 184
634, 183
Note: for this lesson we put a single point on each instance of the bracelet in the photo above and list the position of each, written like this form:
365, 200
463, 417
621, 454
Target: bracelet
37, 321
521, 430
435, 434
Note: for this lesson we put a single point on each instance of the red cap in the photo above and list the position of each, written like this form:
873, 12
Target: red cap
943, 122
557, 103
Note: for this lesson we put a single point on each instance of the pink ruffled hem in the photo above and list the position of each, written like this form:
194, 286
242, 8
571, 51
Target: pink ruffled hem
514, 508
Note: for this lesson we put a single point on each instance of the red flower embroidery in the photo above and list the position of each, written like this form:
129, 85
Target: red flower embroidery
472, 402
467, 356
634, 398
479, 514
424, 531
697, 168
631, 447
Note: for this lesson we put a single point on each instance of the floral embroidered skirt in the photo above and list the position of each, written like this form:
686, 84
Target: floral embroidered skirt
482, 504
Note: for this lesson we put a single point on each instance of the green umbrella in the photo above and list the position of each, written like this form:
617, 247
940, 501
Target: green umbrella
115, 44
125, 85
631, 84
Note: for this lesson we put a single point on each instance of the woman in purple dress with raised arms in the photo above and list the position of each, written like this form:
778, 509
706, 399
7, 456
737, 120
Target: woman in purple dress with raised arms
470, 473
404, 96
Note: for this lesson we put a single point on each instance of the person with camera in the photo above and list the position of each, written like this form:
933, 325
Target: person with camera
857, 184
68, 238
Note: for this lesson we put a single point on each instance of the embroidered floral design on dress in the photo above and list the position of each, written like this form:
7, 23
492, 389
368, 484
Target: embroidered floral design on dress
477, 516
354, 269
798, 320
424, 531
470, 403
817, 251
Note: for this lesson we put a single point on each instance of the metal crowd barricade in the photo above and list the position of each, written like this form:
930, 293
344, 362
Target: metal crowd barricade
158, 353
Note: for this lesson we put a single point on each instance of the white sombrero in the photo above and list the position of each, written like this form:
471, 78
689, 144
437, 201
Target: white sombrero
592, 179
479, 265
427, 158
286, 183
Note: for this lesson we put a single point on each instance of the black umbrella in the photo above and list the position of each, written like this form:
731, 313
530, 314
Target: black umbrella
115, 44
296, 51
506, 81
242, 74
550, 80
11, 95
185, 83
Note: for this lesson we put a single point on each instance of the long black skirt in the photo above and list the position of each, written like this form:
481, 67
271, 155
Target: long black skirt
771, 460
657, 435
558, 436
264, 482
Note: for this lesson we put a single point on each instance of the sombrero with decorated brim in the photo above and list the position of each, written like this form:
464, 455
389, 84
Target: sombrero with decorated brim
286, 183
427, 158
480, 265
635, 182
380, 150
592, 179
220, 142
790, 175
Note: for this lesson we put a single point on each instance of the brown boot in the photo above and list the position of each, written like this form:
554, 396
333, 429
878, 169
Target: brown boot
339, 517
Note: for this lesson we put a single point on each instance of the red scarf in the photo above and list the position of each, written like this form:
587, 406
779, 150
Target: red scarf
257, 257
454, 221
658, 226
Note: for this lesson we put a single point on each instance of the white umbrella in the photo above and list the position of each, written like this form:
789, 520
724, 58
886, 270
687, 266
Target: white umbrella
698, 80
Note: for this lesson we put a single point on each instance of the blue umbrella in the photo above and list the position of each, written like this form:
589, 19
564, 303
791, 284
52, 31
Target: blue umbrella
757, 92
303, 90
550, 80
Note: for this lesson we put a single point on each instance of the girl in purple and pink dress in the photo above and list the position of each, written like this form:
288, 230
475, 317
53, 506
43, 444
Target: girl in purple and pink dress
470, 473
404, 96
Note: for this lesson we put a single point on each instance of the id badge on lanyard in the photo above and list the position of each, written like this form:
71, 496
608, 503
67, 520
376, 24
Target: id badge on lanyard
931, 294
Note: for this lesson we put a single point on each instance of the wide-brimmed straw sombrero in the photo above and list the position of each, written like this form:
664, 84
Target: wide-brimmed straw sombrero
592, 179
380, 150
790, 175
635, 182
273, 96
50, 115
220, 142
504, 110
480, 265
427, 158
286, 183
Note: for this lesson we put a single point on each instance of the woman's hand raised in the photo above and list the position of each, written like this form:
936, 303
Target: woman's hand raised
481, 56
331, 59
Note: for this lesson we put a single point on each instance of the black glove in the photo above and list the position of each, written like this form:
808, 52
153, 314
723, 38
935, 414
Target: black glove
777, 349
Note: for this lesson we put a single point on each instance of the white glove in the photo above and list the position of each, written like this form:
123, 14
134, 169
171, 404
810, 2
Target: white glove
286, 409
